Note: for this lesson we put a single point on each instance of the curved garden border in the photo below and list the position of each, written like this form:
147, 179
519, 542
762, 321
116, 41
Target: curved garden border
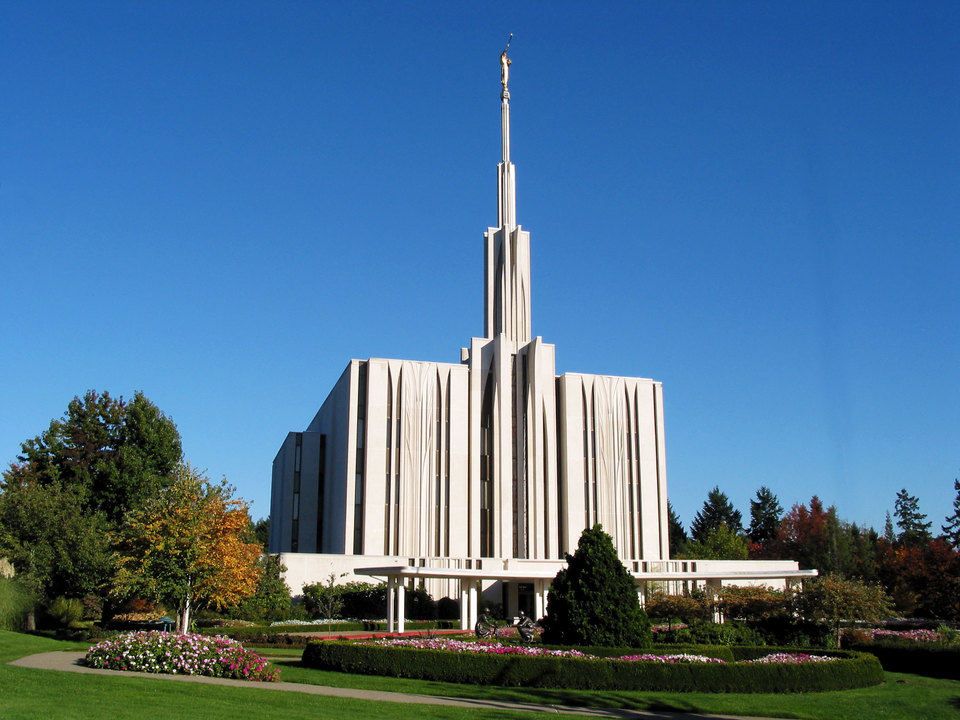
849, 670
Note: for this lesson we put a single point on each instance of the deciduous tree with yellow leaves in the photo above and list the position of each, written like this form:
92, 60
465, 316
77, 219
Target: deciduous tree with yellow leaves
188, 547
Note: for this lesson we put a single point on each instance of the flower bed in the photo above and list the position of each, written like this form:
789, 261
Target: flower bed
178, 654
494, 648
794, 658
749, 670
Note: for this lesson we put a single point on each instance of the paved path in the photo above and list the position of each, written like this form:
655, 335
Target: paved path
70, 662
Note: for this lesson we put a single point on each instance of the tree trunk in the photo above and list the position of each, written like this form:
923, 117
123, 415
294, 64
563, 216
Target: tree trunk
185, 615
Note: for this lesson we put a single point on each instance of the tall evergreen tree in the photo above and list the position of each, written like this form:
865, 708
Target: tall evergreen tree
261, 532
716, 511
913, 529
765, 514
888, 532
678, 536
837, 548
951, 531
863, 553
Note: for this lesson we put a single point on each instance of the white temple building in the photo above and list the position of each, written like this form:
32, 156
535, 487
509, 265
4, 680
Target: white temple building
480, 476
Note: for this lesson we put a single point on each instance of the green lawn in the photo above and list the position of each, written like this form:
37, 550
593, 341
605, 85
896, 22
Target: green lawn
26, 693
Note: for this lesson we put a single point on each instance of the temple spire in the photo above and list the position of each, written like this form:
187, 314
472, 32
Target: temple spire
507, 203
507, 253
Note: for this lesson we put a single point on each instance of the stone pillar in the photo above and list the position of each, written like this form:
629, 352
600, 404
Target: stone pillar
472, 602
464, 605
391, 599
401, 609
540, 599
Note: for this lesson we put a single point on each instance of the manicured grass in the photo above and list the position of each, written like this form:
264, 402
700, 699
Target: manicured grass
41, 694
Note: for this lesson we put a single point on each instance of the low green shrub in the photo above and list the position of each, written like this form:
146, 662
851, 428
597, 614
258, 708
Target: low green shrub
81, 632
850, 670
66, 612
710, 633
948, 633
793, 632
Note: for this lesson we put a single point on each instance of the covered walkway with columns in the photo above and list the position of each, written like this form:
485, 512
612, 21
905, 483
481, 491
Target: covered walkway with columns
471, 588
674, 579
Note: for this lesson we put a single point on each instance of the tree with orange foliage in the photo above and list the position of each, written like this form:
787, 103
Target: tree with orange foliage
923, 579
188, 547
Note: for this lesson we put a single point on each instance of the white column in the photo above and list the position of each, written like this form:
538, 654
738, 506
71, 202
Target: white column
464, 605
474, 614
540, 599
391, 599
401, 609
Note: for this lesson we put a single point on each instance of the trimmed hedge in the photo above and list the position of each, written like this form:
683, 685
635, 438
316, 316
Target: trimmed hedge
852, 670
938, 661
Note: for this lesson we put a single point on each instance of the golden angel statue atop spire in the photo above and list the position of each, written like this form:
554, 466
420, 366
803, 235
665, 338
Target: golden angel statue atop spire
505, 64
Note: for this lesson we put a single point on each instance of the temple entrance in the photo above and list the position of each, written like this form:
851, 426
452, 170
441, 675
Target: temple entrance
525, 599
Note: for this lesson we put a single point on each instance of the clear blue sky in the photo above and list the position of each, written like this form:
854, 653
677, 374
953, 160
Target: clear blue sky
756, 203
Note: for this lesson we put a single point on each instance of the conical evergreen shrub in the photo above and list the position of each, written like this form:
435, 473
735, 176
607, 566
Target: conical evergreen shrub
594, 600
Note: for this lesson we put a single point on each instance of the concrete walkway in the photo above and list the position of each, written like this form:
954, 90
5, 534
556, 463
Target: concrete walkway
66, 661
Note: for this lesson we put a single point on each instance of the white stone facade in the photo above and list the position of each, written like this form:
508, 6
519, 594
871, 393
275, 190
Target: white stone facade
475, 466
